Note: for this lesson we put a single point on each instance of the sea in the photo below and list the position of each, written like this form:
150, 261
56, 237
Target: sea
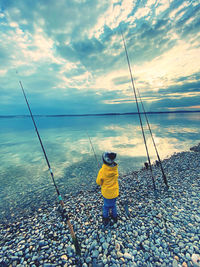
74, 147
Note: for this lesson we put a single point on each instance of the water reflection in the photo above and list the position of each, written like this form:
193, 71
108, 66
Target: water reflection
23, 170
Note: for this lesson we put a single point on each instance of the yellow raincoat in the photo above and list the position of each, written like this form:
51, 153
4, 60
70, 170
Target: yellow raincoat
108, 180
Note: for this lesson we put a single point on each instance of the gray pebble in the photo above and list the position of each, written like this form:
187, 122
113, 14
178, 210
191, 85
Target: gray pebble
95, 254
88, 260
105, 245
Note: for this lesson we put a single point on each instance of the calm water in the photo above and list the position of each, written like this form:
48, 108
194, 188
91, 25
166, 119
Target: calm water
25, 182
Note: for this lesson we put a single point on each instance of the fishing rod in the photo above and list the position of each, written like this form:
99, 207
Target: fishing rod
163, 174
64, 212
134, 90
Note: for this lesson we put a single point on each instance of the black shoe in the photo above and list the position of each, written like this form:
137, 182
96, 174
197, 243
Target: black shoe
114, 219
105, 221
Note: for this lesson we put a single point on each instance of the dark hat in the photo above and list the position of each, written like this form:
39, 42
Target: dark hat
109, 157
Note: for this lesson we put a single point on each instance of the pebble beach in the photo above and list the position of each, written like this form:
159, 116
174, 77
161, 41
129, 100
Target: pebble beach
155, 228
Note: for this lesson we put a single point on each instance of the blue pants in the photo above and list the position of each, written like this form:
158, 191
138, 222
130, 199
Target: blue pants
109, 204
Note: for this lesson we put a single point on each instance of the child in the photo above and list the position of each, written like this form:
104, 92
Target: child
108, 180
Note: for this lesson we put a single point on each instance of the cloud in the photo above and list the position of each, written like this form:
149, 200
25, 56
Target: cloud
69, 51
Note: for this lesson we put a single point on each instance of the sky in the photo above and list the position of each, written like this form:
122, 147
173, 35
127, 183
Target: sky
70, 58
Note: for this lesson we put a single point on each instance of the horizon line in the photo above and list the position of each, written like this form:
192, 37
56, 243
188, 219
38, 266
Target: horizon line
101, 114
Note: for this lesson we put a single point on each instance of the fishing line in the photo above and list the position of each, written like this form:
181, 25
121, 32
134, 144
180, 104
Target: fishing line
64, 213
93, 150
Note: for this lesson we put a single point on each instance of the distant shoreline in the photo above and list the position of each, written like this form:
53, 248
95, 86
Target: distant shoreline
101, 114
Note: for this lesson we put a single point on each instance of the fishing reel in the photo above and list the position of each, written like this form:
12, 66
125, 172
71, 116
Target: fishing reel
64, 215
62, 211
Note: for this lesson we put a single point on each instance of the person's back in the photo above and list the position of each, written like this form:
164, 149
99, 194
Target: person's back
108, 180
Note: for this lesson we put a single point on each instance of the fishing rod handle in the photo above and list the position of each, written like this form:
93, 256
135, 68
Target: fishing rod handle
71, 229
